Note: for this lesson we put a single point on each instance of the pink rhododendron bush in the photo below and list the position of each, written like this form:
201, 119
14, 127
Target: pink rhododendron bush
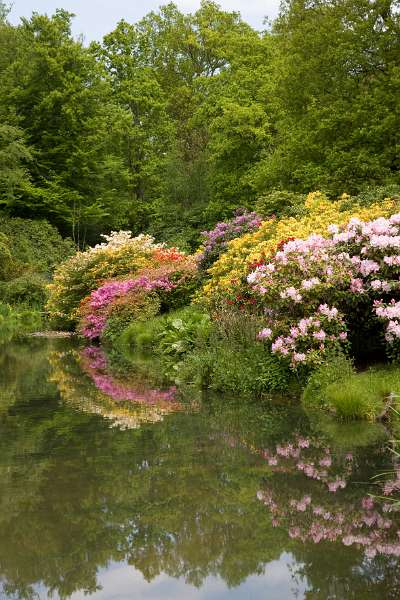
332, 507
320, 293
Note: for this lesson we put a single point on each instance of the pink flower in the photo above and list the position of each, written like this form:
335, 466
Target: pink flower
294, 532
356, 285
330, 313
299, 357
264, 333
367, 503
303, 442
319, 335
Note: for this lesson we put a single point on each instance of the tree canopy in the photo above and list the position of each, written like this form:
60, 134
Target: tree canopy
171, 123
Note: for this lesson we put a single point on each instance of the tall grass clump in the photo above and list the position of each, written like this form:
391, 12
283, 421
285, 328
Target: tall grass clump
350, 395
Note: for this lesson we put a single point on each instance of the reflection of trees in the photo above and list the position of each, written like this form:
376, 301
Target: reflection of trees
338, 573
175, 496
77, 493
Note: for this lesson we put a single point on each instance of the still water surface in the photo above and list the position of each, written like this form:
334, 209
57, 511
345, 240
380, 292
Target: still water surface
111, 489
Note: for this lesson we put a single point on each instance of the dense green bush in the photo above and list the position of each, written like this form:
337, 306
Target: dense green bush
169, 338
220, 353
5, 256
247, 371
29, 252
29, 289
336, 368
35, 243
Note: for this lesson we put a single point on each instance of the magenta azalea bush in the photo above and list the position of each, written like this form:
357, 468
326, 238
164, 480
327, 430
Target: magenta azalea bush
167, 281
311, 289
95, 312
216, 240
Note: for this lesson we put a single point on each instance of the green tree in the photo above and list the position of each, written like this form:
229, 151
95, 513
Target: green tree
14, 158
55, 91
337, 81
146, 128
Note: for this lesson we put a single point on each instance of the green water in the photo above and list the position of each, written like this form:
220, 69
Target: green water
111, 489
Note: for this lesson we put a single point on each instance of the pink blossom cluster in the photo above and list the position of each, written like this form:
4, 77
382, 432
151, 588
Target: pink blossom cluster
391, 314
392, 485
310, 336
105, 294
353, 263
100, 299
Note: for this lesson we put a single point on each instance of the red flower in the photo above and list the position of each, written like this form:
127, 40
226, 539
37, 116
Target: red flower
283, 242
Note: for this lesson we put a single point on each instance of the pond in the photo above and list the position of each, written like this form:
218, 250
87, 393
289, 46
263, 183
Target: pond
113, 489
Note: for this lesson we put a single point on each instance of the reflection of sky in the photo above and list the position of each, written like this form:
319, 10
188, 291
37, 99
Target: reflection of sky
124, 582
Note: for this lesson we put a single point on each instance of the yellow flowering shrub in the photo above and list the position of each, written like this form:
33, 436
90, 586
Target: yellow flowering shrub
320, 212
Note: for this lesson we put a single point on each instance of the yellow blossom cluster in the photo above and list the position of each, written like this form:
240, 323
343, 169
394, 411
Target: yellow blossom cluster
320, 212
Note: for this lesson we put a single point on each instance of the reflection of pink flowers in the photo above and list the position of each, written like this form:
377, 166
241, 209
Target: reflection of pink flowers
96, 357
118, 391
95, 365
331, 518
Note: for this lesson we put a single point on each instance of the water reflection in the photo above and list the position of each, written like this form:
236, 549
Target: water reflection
127, 403
169, 509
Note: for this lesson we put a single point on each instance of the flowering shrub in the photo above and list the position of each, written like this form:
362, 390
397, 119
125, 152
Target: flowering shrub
325, 512
311, 288
216, 240
228, 273
74, 279
97, 308
120, 256
136, 298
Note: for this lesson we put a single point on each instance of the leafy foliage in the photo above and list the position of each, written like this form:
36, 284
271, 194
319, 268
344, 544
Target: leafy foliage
17, 322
